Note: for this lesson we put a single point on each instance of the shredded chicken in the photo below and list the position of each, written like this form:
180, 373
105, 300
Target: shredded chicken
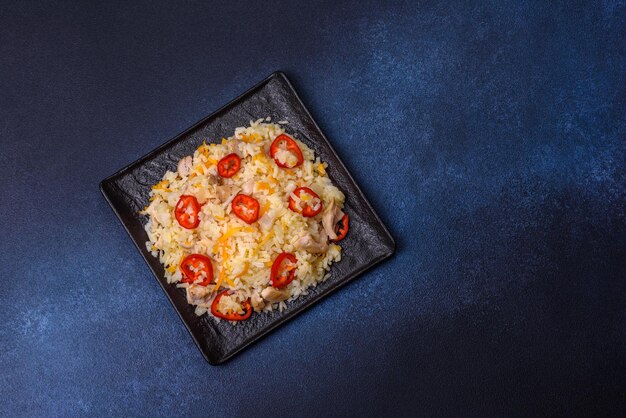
184, 166
199, 295
331, 216
233, 147
274, 295
267, 220
307, 242
206, 195
160, 212
215, 179
258, 303
226, 192
248, 187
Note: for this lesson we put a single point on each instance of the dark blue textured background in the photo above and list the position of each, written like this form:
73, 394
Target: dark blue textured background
490, 138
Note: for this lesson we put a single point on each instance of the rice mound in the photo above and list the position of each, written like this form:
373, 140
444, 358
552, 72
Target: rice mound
242, 254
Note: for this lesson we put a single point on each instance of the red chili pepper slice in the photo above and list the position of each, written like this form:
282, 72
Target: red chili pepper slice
231, 316
284, 142
186, 212
283, 270
341, 228
229, 165
309, 209
197, 266
246, 208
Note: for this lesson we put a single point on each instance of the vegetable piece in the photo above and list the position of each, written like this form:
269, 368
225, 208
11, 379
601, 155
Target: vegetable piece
246, 208
341, 228
231, 316
283, 270
308, 203
186, 212
280, 149
229, 165
197, 267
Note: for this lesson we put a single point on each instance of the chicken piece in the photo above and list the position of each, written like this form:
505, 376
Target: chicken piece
331, 216
226, 192
184, 166
308, 243
258, 303
215, 179
233, 147
199, 295
274, 295
205, 195
248, 187
267, 220
160, 212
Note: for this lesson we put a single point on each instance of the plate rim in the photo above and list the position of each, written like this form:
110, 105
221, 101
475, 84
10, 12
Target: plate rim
289, 314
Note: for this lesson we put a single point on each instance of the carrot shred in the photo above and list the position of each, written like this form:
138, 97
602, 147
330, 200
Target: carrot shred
264, 209
244, 271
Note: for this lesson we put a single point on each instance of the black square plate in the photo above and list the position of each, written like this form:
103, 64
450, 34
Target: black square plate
367, 243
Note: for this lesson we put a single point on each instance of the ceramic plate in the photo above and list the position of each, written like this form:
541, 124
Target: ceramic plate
367, 243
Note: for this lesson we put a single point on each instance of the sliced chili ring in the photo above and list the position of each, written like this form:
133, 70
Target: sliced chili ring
285, 143
186, 211
305, 208
283, 270
197, 266
229, 165
341, 227
246, 208
231, 316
